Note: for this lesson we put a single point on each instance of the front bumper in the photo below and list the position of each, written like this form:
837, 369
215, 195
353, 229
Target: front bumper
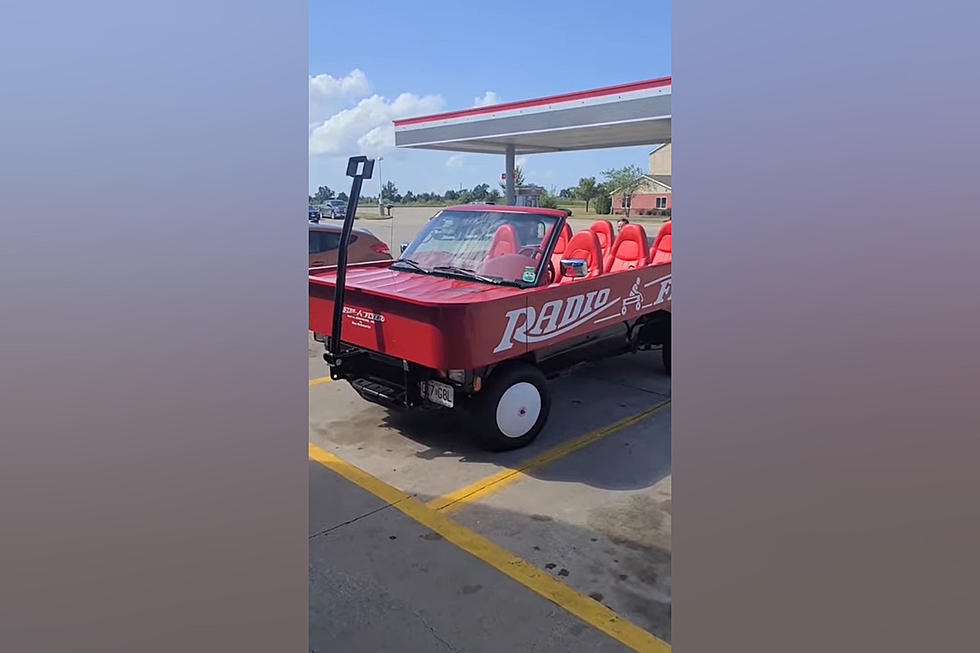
381, 379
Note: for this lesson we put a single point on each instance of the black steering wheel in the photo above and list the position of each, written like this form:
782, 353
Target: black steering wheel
534, 251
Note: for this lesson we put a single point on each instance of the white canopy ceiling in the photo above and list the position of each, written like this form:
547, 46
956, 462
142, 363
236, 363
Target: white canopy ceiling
616, 116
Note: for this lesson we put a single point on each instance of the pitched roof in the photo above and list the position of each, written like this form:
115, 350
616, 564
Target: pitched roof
661, 180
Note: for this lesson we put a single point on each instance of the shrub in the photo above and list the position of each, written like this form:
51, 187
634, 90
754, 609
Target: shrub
603, 204
548, 202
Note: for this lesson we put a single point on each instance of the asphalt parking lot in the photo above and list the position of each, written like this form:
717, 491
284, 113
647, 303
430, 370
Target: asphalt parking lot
420, 541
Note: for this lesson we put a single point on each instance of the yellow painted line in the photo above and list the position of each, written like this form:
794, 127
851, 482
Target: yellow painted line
484, 486
588, 610
322, 379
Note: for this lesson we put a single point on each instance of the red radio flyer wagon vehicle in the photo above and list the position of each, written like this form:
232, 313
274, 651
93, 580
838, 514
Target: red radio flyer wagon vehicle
479, 321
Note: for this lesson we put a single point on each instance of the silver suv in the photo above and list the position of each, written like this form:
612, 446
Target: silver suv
335, 209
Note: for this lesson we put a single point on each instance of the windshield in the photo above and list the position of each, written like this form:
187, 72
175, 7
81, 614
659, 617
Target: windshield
489, 246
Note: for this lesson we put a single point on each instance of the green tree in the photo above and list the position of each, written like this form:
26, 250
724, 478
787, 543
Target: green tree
587, 190
624, 181
389, 192
479, 193
323, 193
494, 196
603, 201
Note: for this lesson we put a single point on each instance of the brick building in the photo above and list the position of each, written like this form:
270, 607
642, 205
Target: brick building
654, 191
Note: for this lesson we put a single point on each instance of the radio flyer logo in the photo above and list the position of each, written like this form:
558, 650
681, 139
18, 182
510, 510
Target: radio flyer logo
362, 318
634, 299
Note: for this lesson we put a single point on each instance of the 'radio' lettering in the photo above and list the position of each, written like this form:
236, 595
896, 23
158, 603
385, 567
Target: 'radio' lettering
573, 308
514, 332
549, 317
557, 316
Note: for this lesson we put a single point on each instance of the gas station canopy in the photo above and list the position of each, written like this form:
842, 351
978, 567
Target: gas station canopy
637, 113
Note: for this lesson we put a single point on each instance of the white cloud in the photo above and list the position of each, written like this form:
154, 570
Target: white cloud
455, 161
367, 128
521, 162
488, 98
329, 94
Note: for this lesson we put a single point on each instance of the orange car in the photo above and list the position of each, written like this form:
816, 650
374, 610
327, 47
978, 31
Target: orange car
364, 246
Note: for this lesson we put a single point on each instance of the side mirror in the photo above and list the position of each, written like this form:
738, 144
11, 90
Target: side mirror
402, 248
574, 267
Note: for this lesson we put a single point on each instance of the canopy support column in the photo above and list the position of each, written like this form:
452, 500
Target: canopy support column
510, 195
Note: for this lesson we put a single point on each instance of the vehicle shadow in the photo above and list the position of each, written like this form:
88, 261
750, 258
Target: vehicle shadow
584, 404
633, 458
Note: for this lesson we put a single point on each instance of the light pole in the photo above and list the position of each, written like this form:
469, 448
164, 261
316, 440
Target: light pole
381, 187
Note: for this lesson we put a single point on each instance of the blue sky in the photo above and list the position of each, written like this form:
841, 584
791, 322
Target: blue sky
372, 62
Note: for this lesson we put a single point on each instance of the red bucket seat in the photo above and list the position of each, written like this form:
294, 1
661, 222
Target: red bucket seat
585, 245
660, 252
504, 241
629, 250
604, 230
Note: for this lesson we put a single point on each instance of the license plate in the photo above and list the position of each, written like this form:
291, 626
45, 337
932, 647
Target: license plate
438, 393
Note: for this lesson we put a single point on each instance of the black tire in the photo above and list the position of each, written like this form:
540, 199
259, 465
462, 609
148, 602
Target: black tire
665, 355
508, 431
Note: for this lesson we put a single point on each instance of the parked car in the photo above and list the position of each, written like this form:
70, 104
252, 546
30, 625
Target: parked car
325, 242
314, 214
336, 209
